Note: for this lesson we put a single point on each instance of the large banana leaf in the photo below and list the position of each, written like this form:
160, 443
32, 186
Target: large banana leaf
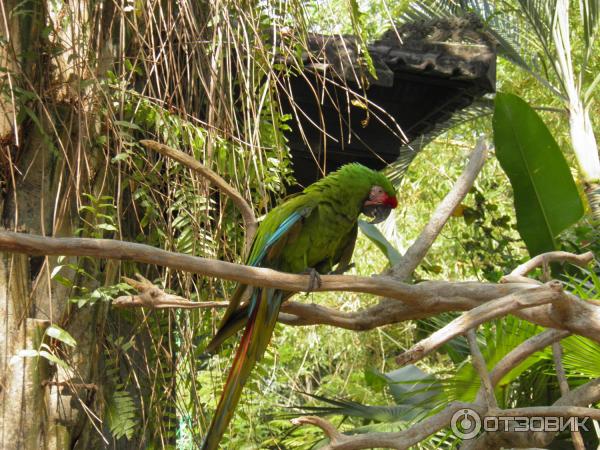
545, 195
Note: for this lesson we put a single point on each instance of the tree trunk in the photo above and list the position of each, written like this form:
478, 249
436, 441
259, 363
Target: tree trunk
43, 404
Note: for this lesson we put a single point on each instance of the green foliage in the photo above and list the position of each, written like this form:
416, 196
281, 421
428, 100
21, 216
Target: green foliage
414, 389
121, 415
581, 359
375, 236
479, 240
581, 356
54, 331
122, 410
51, 352
489, 240
546, 198
496, 339
155, 379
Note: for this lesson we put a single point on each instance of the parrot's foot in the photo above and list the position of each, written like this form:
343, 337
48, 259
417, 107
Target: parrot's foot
315, 279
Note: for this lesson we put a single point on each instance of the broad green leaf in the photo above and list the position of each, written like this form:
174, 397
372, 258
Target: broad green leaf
54, 359
126, 124
106, 226
545, 195
370, 231
61, 335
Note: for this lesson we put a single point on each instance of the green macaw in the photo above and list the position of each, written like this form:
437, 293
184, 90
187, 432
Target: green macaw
313, 230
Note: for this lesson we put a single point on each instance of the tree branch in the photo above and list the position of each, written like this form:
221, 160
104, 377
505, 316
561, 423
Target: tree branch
150, 296
545, 258
547, 411
254, 276
517, 355
335, 437
237, 199
566, 406
549, 293
400, 440
409, 301
417, 251
546, 305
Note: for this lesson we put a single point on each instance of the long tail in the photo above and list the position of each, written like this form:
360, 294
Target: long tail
264, 309
233, 320
234, 323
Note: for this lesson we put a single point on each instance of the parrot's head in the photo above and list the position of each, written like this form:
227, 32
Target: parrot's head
380, 202
373, 193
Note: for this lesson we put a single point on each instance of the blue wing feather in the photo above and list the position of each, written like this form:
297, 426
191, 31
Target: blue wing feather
283, 228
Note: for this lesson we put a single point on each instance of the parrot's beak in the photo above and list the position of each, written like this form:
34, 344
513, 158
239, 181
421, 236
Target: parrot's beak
378, 212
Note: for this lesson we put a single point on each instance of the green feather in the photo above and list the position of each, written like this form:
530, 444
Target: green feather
315, 229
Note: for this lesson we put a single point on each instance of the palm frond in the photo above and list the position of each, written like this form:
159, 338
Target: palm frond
480, 108
415, 392
581, 357
383, 414
497, 339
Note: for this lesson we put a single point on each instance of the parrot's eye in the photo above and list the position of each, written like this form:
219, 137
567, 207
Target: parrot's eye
376, 194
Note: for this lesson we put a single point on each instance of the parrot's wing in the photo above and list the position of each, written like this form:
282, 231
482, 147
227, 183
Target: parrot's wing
269, 249
345, 255
275, 241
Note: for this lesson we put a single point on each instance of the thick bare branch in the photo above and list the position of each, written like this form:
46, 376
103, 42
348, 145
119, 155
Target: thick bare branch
214, 178
409, 301
399, 440
417, 251
547, 411
497, 308
518, 279
545, 258
335, 437
255, 276
567, 406
150, 296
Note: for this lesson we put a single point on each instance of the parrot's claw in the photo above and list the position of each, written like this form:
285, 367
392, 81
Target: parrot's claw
314, 282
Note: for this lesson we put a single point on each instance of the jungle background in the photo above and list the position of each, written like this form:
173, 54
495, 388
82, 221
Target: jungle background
81, 83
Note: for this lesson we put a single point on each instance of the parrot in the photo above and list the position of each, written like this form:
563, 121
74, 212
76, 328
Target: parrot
310, 233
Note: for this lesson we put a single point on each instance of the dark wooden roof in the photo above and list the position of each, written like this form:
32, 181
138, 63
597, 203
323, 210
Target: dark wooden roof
424, 73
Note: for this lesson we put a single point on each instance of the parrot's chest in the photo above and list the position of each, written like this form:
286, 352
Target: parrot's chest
319, 244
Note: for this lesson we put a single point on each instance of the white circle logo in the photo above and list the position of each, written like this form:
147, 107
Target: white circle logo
465, 423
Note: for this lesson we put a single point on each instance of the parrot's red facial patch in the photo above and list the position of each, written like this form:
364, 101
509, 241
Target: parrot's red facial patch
391, 201
379, 204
